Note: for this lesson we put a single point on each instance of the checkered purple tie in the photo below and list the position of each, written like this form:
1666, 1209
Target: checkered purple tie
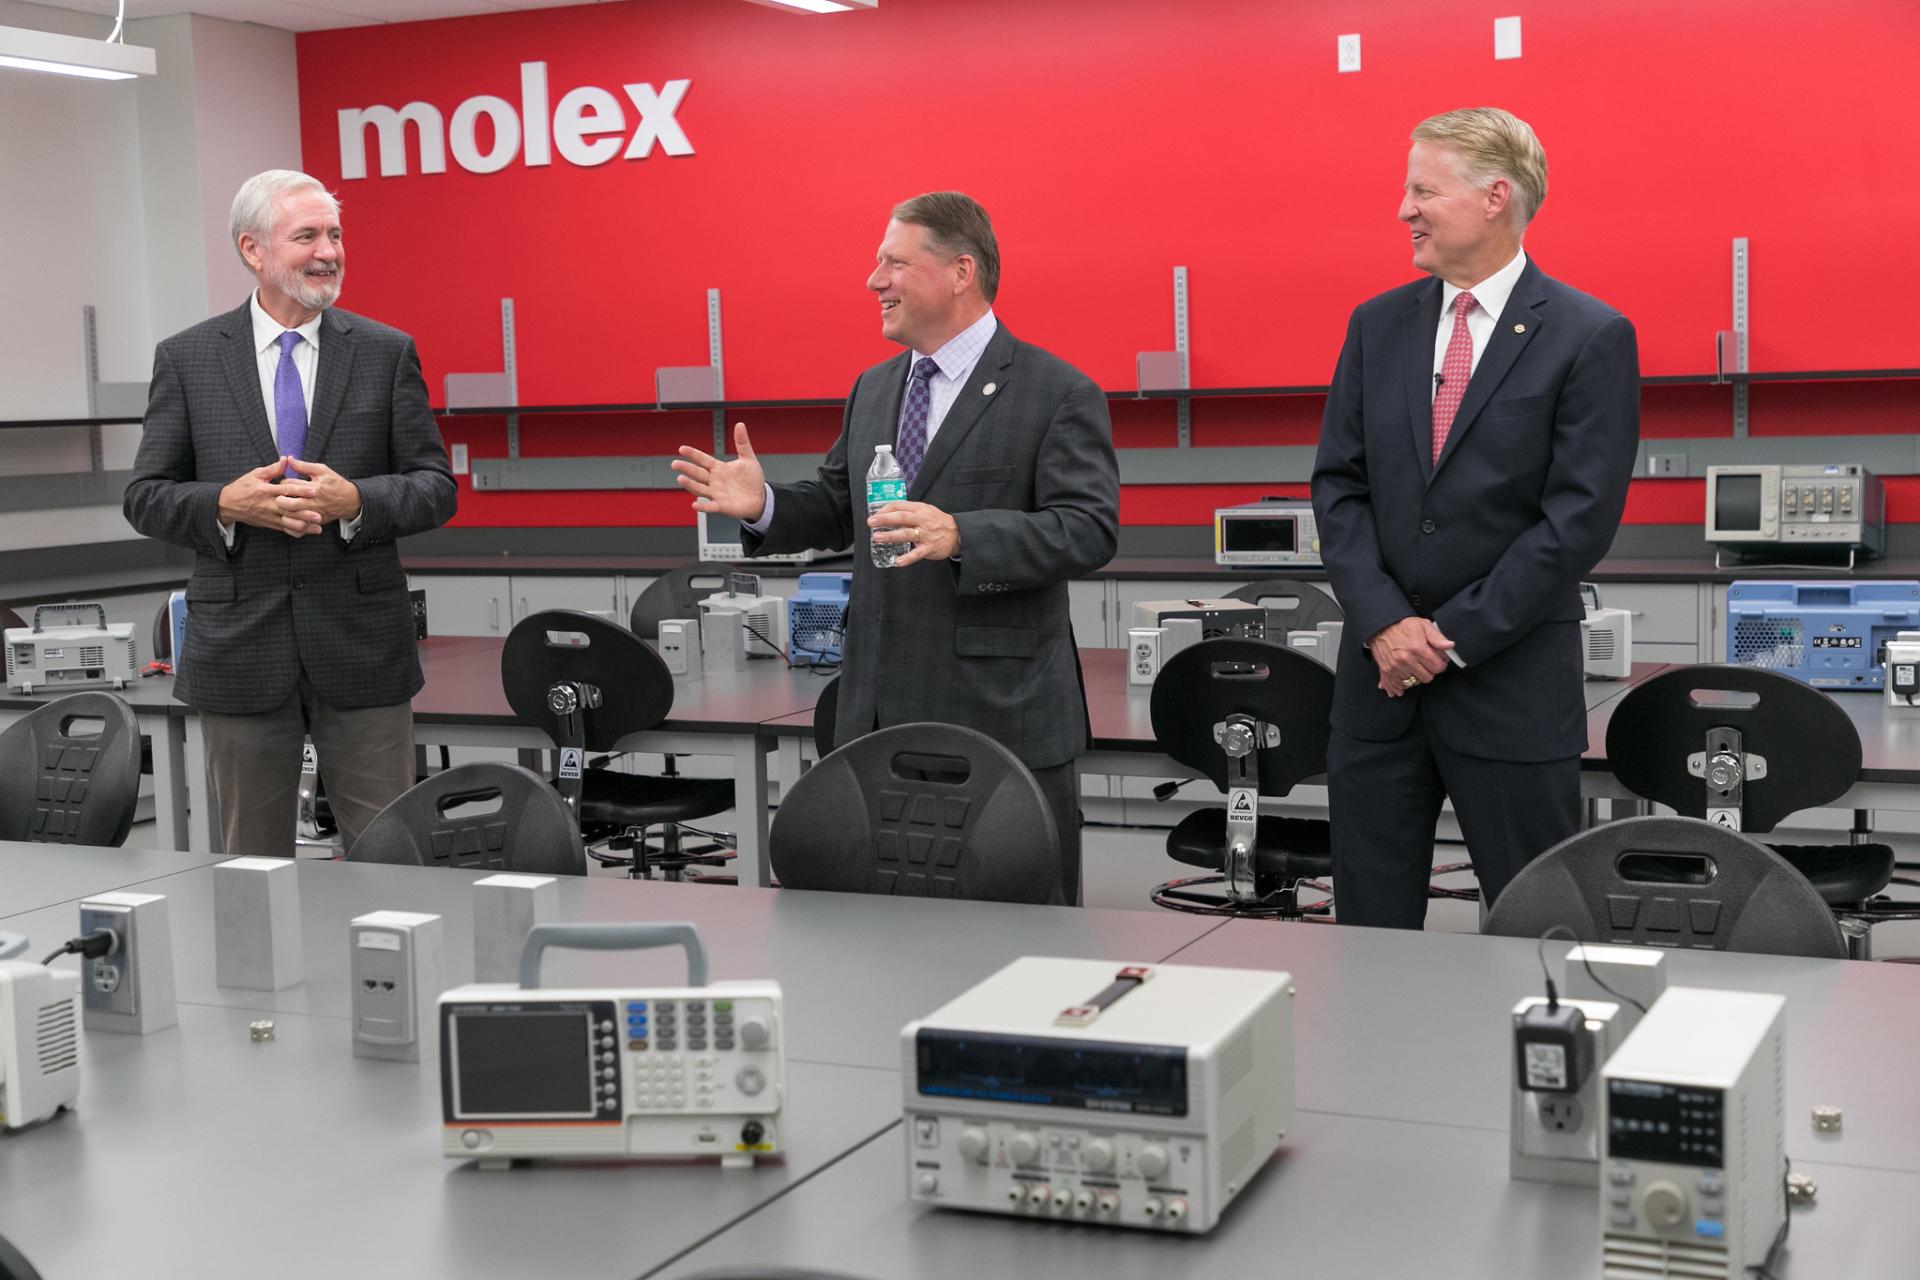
289, 400
912, 446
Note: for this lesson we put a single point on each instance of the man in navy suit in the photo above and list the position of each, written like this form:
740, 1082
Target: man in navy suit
1473, 465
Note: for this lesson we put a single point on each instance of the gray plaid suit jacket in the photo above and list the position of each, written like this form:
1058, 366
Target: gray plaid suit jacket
274, 606
1024, 463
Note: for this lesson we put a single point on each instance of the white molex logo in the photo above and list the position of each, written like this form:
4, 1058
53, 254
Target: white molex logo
587, 127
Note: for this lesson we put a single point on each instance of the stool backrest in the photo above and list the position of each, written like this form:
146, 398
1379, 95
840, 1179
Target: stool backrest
1811, 747
1203, 684
1669, 882
70, 772
919, 810
487, 815
676, 593
1292, 604
555, 645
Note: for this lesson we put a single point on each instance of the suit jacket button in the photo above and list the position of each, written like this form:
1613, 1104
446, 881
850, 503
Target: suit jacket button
1428, 526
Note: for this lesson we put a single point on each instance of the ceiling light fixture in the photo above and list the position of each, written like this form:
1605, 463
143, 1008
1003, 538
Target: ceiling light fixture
820, 6
107, 59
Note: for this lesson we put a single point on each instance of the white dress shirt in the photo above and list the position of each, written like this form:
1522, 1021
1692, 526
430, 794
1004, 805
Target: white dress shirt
956, 361
1491, 296
306, 361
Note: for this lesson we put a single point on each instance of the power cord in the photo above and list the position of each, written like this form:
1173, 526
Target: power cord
818, 666
88, 946
1560, 930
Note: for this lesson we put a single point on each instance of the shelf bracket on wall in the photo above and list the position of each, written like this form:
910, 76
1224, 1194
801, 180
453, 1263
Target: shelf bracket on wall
693, 384
1730, 345
491, 390
105, 399
1171, 370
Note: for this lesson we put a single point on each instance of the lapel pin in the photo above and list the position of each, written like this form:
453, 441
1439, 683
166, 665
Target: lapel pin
989, 389
1519, 328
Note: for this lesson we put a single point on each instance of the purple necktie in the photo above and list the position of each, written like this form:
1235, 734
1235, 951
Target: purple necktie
289, 401
912, 446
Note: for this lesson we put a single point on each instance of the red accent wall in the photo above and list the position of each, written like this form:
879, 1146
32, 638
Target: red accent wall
1111, 143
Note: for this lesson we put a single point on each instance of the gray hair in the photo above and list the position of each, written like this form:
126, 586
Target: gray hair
1494, 144
956, 224
255, 204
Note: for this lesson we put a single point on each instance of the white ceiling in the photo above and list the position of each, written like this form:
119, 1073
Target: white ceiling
308, 15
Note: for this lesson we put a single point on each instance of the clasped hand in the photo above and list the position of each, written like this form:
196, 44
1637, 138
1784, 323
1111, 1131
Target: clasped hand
297, 504
1409, 653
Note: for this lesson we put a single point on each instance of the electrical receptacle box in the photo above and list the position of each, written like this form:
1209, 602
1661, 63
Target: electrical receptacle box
398, 964
505, 910
256, 924
131, 987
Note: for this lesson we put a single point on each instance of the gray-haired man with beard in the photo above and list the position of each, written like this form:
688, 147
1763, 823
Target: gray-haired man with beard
288, 444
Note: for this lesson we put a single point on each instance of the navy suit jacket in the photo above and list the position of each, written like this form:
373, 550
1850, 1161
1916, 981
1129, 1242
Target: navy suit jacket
1492, 540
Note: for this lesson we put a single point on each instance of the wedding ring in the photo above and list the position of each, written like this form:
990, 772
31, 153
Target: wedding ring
1409, 682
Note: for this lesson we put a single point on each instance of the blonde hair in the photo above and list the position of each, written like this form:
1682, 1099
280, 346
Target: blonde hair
1494, 144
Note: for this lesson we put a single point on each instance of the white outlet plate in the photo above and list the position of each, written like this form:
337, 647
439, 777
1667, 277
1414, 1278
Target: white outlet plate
1348, 48
459, 459
1506, 38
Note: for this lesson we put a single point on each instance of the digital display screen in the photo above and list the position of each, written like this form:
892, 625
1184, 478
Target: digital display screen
722, 529
523, 1062
1259, 533
1134, 1079
1836, 642
1652, 1120
1737, 504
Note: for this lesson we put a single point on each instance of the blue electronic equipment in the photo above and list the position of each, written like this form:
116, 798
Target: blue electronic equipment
817, 617
1833, 635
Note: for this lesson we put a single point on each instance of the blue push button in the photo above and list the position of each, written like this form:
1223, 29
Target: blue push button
636, 1020
636, 1006
1710, 1229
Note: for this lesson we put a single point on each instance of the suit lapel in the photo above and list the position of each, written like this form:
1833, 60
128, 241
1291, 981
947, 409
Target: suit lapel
966, 410
1422, 321
336, 369
240, 362
1519, 322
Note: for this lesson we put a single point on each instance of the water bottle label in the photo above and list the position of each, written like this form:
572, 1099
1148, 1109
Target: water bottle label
879, 491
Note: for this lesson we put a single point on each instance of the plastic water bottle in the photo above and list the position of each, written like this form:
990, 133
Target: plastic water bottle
885, 483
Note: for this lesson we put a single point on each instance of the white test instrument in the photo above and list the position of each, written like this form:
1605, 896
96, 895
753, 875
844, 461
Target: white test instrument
39, 1042
1088, 1091
1694, 1144
612, 1073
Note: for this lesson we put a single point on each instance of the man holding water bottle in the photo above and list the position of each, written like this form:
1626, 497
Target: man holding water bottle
1005, 457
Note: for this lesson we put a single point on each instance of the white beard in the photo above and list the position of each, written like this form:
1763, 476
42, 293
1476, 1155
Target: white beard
310, 294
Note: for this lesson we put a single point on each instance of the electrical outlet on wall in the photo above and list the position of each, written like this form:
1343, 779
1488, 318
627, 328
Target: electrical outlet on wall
1506, 38
1349, 53
459, 459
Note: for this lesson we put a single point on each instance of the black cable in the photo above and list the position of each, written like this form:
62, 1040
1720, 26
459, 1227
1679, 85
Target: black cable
1585, 961
818, 666
88, 946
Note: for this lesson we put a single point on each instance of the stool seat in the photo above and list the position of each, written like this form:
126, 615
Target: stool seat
1285, 849
1843, 874
610, 798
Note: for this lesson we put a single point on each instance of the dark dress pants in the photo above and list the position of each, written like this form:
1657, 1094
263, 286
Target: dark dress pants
1385, 797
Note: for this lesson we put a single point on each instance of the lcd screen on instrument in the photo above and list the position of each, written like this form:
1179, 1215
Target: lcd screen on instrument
1653, 1120
1737, 504
1260, 533
722, 529
1137, 1079
523, 1062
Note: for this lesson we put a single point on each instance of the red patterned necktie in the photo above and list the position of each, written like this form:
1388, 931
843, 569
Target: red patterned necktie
1455, 371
